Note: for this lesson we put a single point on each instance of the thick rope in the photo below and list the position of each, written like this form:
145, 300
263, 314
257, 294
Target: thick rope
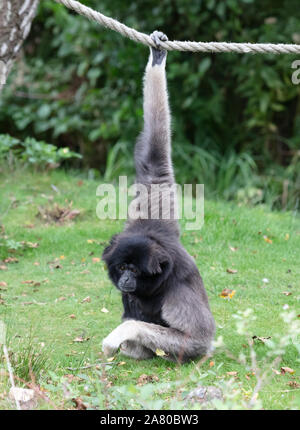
175, 45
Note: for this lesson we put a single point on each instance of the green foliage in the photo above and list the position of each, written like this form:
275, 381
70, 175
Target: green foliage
32, 152
28, 360
236, 117
43, 154
9, 246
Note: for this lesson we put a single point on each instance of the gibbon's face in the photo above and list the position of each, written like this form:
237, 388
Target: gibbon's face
127, 277
137, 265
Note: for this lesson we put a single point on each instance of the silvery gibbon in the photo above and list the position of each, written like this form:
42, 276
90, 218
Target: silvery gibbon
165, 304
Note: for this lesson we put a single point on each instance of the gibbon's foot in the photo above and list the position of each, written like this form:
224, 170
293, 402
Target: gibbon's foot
135, 350
128, 330
158, 53
108, 348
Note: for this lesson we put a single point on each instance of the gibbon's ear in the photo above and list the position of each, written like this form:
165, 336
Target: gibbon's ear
110, 248
159, 262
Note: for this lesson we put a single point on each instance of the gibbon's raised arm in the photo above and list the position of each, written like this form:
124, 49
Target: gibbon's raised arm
153, 148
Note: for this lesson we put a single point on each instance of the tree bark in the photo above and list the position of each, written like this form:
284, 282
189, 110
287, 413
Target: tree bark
15, 21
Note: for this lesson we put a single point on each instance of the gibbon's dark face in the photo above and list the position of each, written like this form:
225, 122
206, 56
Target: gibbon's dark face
127, 275
137, 264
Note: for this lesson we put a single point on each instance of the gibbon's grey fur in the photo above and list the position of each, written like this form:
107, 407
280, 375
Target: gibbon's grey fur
165, 303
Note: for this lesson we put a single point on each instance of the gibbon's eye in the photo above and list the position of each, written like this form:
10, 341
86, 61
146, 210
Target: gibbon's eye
122, 267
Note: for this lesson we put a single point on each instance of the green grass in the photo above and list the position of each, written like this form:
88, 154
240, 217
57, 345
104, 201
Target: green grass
39, 315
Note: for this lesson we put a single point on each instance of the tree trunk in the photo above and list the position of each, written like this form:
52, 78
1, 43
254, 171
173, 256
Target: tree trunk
15, 21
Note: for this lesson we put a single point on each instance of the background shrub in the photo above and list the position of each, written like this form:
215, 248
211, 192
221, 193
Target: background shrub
236, 117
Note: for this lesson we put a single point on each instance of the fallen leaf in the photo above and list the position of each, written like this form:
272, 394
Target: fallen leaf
2, 267
231, 373
10, 260
72, 316
145, 379
79, 404
71, 378
266, 239
232, 271
62, 257
57, 214
287, 236
211, 363
104, 310
33, 303
293, 384
110, 359
55, 266
287, 293
96, 260
30, 244
3, 284
81, 339
261, 339
233, 249
86, 300
287, 370
227, 293
276, 372
160, 352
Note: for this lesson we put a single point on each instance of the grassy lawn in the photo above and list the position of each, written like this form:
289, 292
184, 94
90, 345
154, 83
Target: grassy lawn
50, 315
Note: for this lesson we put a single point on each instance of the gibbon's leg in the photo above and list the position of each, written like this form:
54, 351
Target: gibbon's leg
175, 344
153, 148
135, 350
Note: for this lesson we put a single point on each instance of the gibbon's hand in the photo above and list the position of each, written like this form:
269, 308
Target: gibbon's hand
128, 330
158, 53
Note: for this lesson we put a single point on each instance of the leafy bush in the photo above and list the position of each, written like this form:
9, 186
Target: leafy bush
9, 245
30, 360
236, 117
33, 152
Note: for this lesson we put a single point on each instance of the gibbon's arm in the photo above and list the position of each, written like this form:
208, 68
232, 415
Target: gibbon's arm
189, 335
153, 148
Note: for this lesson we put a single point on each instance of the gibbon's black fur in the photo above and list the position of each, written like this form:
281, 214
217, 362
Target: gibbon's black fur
165, 303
